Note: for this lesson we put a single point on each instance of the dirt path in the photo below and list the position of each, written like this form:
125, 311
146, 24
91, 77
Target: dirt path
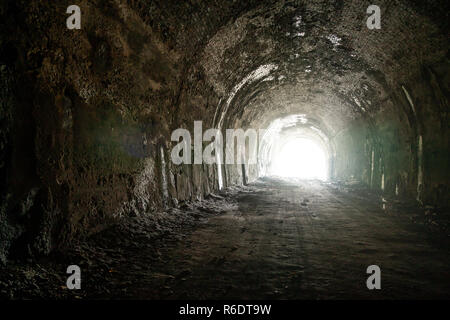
273, 239
295, 241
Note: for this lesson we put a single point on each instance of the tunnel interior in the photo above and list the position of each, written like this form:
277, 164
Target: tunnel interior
87, 114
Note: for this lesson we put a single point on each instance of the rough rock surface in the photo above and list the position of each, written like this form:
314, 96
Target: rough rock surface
87, 114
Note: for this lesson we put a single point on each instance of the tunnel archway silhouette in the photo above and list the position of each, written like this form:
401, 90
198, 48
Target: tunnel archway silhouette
300, 158
295, 146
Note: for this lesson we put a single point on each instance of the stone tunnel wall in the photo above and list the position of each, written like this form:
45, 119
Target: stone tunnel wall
408, 139
86, 121
87, 115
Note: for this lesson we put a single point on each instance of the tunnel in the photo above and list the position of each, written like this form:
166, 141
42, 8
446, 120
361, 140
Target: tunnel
116, 134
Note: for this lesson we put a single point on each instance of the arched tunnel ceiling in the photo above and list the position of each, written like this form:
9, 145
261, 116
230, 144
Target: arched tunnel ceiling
89, 115
317, 58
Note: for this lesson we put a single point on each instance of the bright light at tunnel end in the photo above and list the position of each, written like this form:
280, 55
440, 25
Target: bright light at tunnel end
290, 148
300, 158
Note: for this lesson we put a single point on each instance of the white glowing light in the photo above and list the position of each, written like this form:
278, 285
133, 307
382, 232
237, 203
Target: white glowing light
301, 158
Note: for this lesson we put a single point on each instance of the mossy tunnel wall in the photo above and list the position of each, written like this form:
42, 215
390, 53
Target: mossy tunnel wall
87, 114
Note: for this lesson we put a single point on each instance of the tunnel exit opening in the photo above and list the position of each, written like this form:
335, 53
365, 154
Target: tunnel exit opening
300, 158
296, 146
